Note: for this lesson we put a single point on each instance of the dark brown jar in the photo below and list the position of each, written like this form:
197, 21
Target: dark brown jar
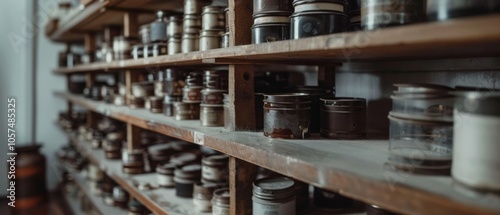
343, 118
385, 13
315, 93
30, 180
287, 115
270, 32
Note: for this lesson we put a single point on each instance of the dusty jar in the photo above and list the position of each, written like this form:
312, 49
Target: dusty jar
287, 115
211, 115
274, 196
343, 118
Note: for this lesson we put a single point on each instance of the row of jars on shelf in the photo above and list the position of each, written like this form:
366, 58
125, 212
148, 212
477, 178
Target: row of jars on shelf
276, 20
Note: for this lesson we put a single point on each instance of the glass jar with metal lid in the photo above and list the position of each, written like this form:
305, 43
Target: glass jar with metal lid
274, 196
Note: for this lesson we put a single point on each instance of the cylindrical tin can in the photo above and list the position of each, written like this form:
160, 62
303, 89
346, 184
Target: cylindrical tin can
192, 24
209, 39
215, 79
330, 200
274, 196
185, 178
220, 201
165, 174
343, 118
211, 115
191, 94
202, 195
476, 163
194, 79
214, 168
190, 43
265, 33
186, 111
159, 28
314, 23
213, 96
224, 43
194, 6
174, 45
447, 9
156, 104
287, 115
174, 28
354, 15
315, 93
385, 13
211, 18
168, 104
272, 6
135, 102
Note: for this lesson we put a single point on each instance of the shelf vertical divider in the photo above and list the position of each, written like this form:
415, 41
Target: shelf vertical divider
91, 116
69, 103
241, 176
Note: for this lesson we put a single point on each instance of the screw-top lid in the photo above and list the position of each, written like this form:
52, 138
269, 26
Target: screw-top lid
273, 188
191, 171
221, 196
166, 168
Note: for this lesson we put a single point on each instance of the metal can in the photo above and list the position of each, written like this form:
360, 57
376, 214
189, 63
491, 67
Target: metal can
210, 39
212, 96
224, 43
174, 28
168, 104
211, 115
190, 43
202, 195
165, 174
186, 111
265, 33
314, 23
385, 13
211, 19
343, 118
135, 102
194, 6
145, 34
214, 168
192, 94
185, 177
274, 196
220, 201
174, 45
192, 24
287, 115
272, 6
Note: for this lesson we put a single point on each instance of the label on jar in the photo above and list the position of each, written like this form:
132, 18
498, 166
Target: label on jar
217, 210
287, 208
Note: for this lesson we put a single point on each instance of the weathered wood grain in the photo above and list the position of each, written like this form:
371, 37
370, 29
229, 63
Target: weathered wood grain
241, 174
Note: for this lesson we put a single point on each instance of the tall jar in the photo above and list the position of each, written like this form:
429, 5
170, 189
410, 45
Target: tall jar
287, 115
31, 186
274, 196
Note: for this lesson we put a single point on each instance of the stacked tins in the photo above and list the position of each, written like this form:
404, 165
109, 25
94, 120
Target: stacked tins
212, 108
318, 17
192, 24
213, 22
271, 20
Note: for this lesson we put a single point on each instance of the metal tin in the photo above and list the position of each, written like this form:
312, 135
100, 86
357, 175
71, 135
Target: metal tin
174, 45
211, 115
135, 102
209, 39
265, 33
287, 115
423, 146
376, 210
185, 178
186, 111
273, 196
194, 6
159, 28
215, 168
272, 6
192, 94
190, 43
385, 13
168, 104
446, 9
220, 201
319, 5
315, 93
343, 118
192, 24
476, 163
194, 79
330, 200
174, 27
354, 15
156, 104
202, 195
224, 43
314, 23
165, 174
211, 18
143, 89
137, 51
145, 34
212, 96
215, 79
423, 102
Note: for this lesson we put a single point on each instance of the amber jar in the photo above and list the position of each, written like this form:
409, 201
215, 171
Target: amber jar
30, 181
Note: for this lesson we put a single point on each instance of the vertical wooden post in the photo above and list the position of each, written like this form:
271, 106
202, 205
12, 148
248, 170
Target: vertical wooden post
90, 43
133, 137
241, 176
91, 117
130, 77
130, 24
70, 104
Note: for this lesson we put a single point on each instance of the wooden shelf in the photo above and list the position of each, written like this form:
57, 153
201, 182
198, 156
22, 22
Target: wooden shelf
352, 168
467, 37
158, 200
97, 201
96, 15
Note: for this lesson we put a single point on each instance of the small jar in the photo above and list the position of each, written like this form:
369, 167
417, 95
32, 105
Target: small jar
211, 115
190, 43
186, 111
159, 28
174, 28
192, 24
215, 168
274, 196
192, 94
385, 13
174, 45
168, 104
202, 195
330, 200
270, 32
194, 6
287, 115
220, 201
211, 18
209, 39
165, 175
343, 118
185, 178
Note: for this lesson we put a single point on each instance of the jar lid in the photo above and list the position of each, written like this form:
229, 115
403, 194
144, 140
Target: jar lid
343, 101
160, 149
212, 9
272, 188
287, 97
166, 168
221, 196
191, 171
215, 160
183, 158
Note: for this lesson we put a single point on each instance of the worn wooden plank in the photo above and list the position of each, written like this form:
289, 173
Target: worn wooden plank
130, 24
133, 137
241, 97
352, 168
241, 174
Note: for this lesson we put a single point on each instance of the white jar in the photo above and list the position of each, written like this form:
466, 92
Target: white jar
274, 195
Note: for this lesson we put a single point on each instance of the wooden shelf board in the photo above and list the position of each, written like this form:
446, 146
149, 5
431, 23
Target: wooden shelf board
158, 200
467, 37
97, 201
352, 168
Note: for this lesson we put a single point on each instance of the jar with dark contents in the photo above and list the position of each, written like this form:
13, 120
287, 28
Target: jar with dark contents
185, 177
343, 118
386, 13
287, 115
274, 196
441, 10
